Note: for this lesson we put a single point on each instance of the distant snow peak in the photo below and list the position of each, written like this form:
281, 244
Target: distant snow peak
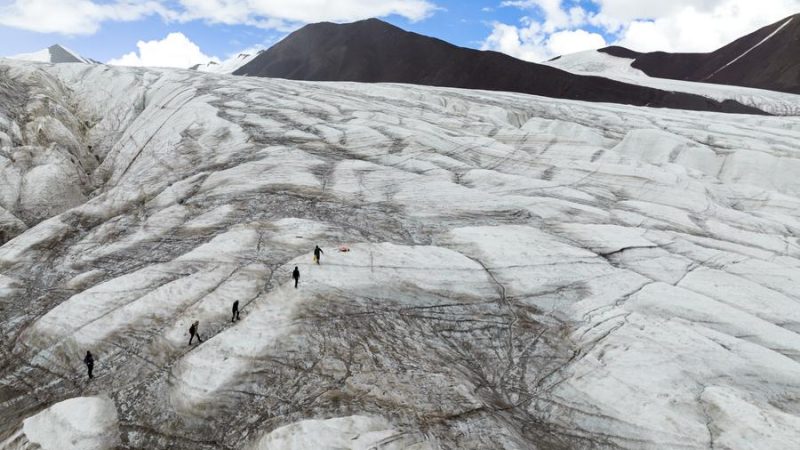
228, 66
54, 54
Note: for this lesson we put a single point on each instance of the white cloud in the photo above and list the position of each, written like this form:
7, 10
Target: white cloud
86, 16
555, 16
557, 34
628, 10
573, 41
175, 50
270, 13
74, 16
695, 26
523, 43
675, 25
533, 43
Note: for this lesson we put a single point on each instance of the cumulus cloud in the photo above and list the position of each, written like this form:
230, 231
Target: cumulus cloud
86, 16
573, 41
694, 26
628, 10
74, 16
519, 42
175, 50
272, 12
675, 25
555, 16
536, 41
532, 43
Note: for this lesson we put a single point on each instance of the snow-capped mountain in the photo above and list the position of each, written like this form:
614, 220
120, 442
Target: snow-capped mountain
375, 51
603, 64
228, 66
768, 58
522, 272
54, 54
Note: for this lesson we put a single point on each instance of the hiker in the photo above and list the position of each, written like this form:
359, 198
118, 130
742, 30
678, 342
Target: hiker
296, 276
317, 252
194, 332
89, 361
235, 311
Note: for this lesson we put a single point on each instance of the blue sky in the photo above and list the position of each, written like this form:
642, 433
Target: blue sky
463, 23
529, 29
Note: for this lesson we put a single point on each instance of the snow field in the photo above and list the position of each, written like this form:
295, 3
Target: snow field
626, 276
80, 423
604, 65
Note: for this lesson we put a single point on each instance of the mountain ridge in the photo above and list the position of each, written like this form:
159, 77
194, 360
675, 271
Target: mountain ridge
375, 51
766, 59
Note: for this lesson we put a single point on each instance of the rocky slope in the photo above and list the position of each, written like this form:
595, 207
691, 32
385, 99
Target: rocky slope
523, 272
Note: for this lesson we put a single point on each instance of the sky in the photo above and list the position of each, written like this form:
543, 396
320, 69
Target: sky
181, 33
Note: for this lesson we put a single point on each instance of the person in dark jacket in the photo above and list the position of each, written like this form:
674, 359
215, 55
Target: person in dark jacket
235, 311
89, 361
296, 276
317, 252
194, 332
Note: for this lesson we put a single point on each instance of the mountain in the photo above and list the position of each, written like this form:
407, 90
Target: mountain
768, 58
598, 63
54, 54
375, 51
230, 65
523, 272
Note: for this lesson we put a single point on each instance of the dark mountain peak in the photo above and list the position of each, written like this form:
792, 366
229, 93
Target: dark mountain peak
372, 22
376, 21
768, 58
360, 26
375, 51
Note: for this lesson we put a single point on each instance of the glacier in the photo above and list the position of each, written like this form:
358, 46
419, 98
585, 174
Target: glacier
523, 272
598, 63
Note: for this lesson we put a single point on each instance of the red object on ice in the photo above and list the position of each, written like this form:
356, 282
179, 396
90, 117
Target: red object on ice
344, 248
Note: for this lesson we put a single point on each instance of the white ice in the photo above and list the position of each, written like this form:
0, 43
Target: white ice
658, 247
339, 433
81, 423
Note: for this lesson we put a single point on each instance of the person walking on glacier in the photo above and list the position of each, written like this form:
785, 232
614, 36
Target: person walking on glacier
194, 332
235, 311
296, 276
317, 252
89, 361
